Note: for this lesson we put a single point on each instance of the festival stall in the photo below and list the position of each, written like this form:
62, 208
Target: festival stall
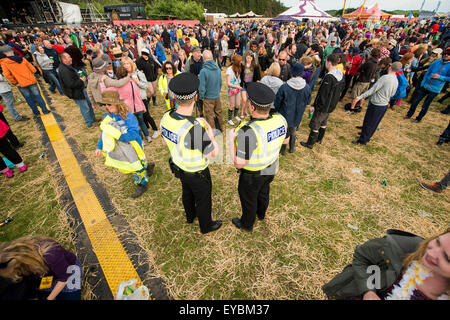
361, 11
283, 18
371, 14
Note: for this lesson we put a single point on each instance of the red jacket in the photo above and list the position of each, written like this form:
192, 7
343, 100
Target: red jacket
435, 28
356, 62
3, 126
58, 48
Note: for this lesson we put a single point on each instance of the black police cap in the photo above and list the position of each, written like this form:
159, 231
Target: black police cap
184, 86
260, 94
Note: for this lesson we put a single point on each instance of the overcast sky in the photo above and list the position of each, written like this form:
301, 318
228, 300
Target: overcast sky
430, 5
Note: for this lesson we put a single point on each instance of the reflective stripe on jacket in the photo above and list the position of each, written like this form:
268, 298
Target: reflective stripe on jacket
163, 87
125, 156
174, 133
270, 134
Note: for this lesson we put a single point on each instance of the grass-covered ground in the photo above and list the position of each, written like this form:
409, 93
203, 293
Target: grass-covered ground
305, 239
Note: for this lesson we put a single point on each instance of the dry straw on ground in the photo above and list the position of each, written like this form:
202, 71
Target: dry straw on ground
304, 240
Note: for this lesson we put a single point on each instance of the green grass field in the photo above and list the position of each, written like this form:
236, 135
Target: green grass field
305, 239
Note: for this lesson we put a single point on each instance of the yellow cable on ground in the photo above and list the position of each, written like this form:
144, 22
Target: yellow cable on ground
110, 253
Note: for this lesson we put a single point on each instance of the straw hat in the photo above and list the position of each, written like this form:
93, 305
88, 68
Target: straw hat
116, 51
111, 97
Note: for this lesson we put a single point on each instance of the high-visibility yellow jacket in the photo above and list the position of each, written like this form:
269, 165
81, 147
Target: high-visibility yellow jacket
270, 134
163, 87
174, 132
125, 156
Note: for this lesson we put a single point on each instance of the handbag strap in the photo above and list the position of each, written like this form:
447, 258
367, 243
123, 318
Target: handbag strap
132, 90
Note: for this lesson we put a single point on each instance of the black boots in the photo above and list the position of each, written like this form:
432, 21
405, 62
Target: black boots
139, 191
215, 226
321, 134
237, 222
292, 133
150, 168
292, 143
312, 139
283, 150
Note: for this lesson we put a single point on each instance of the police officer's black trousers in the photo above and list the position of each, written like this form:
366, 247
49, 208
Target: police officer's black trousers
254, 190
197, 201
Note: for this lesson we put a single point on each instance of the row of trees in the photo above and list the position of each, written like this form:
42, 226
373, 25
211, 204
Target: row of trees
183, 10
268, 8
193, 10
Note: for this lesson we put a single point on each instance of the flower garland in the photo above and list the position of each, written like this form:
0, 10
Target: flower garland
414, 275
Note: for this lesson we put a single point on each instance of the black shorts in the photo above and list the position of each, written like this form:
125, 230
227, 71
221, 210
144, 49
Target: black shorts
319, 119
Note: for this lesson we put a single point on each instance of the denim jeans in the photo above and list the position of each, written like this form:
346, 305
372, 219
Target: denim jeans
419, 96
315, 77
140, 118
54, 82
8, 97
86, 111
33, 97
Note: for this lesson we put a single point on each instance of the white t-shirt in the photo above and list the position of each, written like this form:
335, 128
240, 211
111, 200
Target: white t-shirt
224, 48
233, 79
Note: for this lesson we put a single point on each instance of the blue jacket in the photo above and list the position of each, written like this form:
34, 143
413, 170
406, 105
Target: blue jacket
292, 99
435, 85
394, 54
130, 129
402, 85
210, 81
160, 52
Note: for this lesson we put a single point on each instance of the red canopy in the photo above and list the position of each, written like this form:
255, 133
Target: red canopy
375, 11
360, 11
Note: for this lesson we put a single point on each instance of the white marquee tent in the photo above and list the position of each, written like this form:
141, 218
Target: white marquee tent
71, 13
307, 9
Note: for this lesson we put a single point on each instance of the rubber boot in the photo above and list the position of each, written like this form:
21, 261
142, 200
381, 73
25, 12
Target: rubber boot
139, 191
312, 139
321, 134
292, 142
283, 150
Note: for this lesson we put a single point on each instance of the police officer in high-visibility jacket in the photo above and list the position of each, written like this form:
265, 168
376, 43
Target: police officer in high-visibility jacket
191, 143
255, 147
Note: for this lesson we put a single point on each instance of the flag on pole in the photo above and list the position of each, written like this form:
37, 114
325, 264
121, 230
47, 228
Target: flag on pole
421, 7
409, 17
437, 8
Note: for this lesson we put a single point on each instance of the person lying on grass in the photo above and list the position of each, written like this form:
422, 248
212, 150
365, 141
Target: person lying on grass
399, 266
